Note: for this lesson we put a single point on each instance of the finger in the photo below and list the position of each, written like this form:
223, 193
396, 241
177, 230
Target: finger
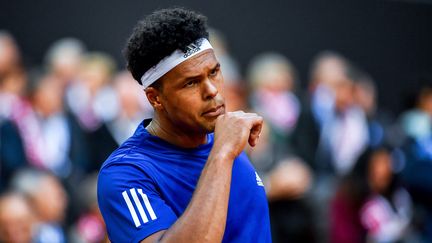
255, 131
239, 112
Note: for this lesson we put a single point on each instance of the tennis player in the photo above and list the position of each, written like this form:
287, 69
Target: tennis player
183, 175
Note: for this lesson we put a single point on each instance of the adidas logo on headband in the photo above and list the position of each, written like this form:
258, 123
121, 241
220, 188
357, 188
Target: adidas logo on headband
192, 48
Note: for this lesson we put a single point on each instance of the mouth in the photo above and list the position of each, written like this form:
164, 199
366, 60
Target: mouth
214, 112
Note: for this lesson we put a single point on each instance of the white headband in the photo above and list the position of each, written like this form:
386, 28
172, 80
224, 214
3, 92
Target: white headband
171, 61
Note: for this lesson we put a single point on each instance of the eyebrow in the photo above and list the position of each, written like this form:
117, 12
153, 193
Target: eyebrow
191, 78
217, 65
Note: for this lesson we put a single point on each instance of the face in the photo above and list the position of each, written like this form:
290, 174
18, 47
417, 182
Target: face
94, 76
380, 173
51, 200
365, 98
330, 71
426, 102
9, 55
344, 95
48, 98
191, 95
16, 220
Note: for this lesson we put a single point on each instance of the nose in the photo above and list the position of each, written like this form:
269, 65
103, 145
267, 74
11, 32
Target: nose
210, 89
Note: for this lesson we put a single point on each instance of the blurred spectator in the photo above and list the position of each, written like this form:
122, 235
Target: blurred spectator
273, 78
132, 104
93, 102
63, 60
53, 139
344, 134
48, 202
12, 75
16, 219
234, 86
287, 179
417, 125
287, 182
91, 94
327, 72
388, 210
291, 216
370, 205
327, 69
381, 127
90, 227
331, 132
365, 98
58, 137
15, 112
351, 194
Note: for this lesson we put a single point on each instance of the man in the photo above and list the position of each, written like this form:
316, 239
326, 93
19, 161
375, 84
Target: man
175, 180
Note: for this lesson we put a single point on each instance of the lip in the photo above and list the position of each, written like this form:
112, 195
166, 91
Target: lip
215, 112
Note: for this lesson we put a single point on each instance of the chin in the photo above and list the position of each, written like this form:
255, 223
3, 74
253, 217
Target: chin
210, 127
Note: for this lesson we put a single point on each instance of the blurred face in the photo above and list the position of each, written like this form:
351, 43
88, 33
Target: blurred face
48, 97
50, 201
380, 173
344, 98
94, 76
277, 78
191, 94
365, 98
66, 66
330, 71
426, 103
16, 220
9, 56
14, 83
129, 95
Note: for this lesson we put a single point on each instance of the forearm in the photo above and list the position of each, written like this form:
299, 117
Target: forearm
204, 219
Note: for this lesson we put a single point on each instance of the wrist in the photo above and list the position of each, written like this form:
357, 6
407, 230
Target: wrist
223, 155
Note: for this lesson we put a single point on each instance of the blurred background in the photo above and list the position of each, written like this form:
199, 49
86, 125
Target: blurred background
345, 88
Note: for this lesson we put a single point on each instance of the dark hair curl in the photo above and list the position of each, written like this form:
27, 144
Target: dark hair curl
159, 34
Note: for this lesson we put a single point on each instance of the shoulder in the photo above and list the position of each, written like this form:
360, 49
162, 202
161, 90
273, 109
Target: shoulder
129, 197
134, 149
124, 166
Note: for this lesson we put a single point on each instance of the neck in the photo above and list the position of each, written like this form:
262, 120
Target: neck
174, 135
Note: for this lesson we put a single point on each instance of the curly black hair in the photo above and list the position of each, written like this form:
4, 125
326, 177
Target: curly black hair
159, 34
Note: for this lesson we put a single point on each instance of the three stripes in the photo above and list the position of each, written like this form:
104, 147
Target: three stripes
139, 206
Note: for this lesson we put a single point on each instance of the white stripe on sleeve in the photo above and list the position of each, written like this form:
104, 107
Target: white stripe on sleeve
131, 209
139, 205
147, 205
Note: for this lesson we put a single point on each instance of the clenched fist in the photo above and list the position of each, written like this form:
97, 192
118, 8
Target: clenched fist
234, 129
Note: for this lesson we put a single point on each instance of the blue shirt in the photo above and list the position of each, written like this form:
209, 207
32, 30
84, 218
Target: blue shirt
147, 183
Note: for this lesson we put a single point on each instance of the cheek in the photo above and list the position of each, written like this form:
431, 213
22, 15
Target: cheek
220, 84
185, 105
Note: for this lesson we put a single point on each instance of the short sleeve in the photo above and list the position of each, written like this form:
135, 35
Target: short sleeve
130, 204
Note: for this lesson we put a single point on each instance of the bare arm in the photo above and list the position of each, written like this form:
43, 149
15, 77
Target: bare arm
204, 219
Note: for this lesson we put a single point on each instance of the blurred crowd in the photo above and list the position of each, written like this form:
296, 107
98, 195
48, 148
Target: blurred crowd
335, 166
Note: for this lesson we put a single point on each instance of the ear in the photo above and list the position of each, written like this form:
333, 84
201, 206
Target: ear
154, 97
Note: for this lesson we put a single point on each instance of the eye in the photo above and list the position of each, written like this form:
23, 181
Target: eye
190, 83
215, 71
